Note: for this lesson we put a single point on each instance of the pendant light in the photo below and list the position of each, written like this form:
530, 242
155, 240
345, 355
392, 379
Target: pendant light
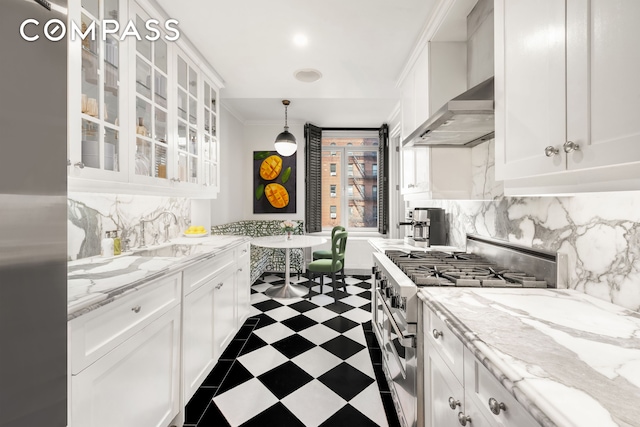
285, 142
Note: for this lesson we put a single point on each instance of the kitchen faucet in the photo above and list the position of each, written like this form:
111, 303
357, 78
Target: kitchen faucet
166, 227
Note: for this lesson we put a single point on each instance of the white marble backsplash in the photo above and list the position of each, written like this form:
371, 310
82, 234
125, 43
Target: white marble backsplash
91, 215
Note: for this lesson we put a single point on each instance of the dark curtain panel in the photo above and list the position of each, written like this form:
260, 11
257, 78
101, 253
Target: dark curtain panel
383, 180
313, 178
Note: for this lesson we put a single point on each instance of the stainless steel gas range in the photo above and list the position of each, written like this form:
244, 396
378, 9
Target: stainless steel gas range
398, 274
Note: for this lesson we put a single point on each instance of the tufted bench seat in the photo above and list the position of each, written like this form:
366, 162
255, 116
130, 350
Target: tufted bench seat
264, 259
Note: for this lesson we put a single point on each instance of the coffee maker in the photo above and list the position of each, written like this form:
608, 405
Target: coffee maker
428, 227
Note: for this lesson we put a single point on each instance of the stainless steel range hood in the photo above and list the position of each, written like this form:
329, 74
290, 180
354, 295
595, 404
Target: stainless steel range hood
465, 121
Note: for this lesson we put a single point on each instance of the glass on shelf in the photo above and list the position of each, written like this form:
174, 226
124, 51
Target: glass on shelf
111, 85
111, 149
111, 49
193, 110
182, 136
143, 114
182, 167
143, 78
213, 127
90, 144
111, 10
161, 162
193, 169
182, 104
160, 125
193, 82
160, 55
207, 121
143, 157
213, 101
143, 46
193, 141
92, 6
160, 89
182, 73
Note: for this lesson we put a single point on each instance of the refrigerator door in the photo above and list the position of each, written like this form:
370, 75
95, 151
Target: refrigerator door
33, 219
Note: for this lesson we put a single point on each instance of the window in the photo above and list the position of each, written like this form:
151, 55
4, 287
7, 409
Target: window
362, 154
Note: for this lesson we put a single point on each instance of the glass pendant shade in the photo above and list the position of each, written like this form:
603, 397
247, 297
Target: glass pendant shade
285, 143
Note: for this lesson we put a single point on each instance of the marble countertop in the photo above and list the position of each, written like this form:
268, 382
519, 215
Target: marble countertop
97, 281
381, 245
569, 358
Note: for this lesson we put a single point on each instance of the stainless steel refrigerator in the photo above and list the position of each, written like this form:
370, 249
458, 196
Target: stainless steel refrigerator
33, 218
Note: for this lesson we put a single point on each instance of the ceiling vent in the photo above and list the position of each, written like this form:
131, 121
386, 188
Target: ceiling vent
308, 75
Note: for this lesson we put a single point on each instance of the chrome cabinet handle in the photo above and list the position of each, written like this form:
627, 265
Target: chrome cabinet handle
79, 165
496, 406
244, 251
411, 186
463, 419
436, 334
175, 180
219, 285
551, 151
453, 403
240, 269
68, 162
136, 309
570, 147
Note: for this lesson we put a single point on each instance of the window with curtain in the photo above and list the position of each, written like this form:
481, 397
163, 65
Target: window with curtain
356, 199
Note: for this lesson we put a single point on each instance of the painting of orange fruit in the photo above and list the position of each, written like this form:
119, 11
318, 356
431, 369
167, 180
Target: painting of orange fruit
274, 182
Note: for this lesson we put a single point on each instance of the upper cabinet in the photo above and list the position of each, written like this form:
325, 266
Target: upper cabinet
148, 121
567, 95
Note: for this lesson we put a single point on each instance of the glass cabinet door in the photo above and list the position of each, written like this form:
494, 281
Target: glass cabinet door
188, 146
150, 124
210, 143
100, 86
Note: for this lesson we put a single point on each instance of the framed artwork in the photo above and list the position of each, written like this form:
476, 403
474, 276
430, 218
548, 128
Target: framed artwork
274, 183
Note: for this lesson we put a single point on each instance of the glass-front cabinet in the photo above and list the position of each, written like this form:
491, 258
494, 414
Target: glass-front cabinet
148, 116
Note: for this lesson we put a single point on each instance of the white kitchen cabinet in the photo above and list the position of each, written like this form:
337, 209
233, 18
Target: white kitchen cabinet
209, 325
243, 284
136, 383
444, 395
436, 173
567, 96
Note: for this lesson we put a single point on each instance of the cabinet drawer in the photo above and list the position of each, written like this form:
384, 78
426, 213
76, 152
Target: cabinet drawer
98, 332
197, 275
482, 387
438, 335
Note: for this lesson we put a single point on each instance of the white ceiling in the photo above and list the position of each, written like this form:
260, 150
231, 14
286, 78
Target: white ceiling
360, 47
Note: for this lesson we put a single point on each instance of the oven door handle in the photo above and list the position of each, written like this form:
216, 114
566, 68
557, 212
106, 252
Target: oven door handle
405, 340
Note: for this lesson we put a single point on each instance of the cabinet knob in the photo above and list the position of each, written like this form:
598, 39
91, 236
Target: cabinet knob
175, 180
496, 406
136, 309
411, 186
453, 403
79, 165
219, 285
551, 151
240, 269
463, 419
570, 147
436, 333
68, 162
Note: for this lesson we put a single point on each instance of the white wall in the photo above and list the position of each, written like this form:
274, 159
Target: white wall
260, 137
230, 204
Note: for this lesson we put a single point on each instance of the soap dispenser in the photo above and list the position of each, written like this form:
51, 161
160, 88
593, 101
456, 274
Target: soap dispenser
107, 245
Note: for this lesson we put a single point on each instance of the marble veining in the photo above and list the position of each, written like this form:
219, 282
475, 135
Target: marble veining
94, 282
569, 358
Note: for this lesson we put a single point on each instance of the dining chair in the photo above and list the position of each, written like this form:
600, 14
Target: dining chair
324, 253
333, 265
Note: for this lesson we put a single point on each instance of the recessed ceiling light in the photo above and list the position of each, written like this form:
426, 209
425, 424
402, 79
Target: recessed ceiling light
300, 40
308, 75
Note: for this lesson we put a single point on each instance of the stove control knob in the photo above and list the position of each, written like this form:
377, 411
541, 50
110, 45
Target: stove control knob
395, 301
388, 292
374, 269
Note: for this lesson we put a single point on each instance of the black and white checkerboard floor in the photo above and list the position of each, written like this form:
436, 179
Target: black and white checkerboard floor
299, 362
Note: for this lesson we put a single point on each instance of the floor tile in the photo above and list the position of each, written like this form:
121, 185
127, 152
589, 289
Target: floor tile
293, 345
237, 375
262, 360
320, 314
390, 410
361, 361
276, 415
356, 334
244, 332
271, 278
232, 350
363, 285
303, 306
316, 361
285, 379
366, 307
253, 343
273, 333
369, 403
263, 320
261, 287
348, 416
366, 295
213, 417
353, 300
319, 334
352, 280
346, 381
258, 297
244, 402
339, 307
254, 311
299, 322
340, 324
357, 315
282, 313
313, 403
354, 290
198, 404
267, 305
322, 300
215, 377
342, 347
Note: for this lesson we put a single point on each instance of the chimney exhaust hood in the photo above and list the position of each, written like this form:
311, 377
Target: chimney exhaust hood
465, 121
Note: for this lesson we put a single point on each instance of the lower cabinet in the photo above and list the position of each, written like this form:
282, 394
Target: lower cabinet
209, 325
243, 288
135, 384
444, 395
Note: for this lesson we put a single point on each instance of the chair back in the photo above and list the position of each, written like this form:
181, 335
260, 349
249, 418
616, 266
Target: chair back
334, 230
338, 248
